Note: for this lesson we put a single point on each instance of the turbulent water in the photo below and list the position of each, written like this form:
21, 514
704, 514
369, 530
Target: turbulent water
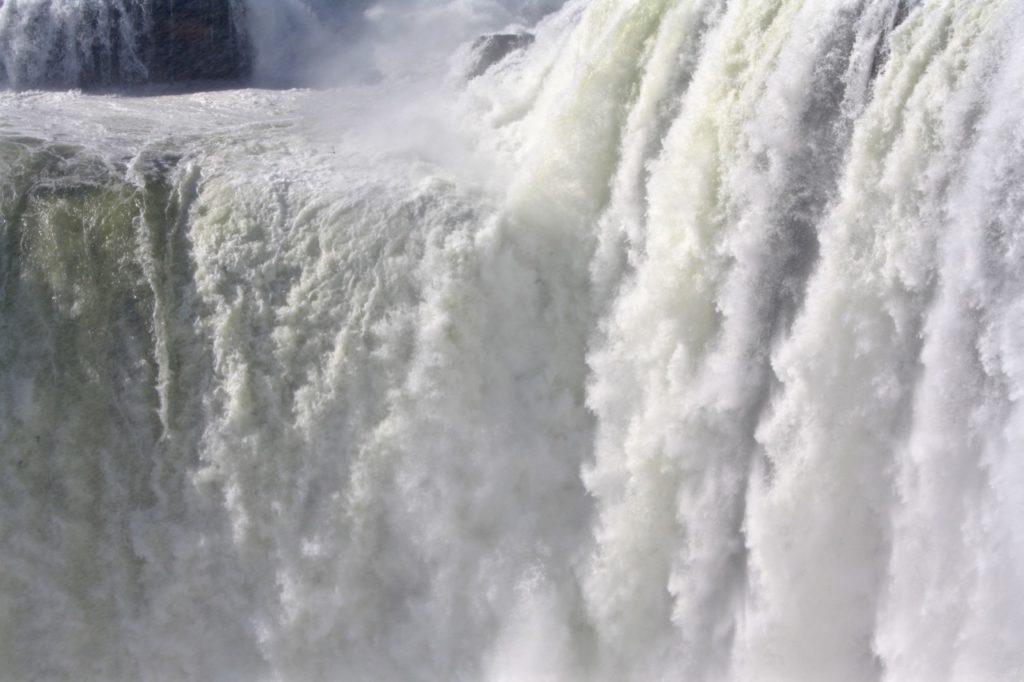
685, 343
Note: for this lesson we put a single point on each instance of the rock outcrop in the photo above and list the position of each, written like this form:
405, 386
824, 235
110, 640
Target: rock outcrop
198, 40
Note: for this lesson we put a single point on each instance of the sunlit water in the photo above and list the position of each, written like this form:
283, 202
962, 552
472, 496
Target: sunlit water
686, 344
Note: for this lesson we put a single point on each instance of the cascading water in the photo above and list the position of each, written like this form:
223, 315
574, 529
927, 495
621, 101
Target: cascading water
101, 43
684, 342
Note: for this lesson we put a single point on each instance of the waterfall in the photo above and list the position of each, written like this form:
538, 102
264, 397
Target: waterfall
680, 340
103, 43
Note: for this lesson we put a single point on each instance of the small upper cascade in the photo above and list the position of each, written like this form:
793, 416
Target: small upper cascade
104, 43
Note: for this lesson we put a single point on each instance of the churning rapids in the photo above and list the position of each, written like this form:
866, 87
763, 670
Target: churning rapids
684, 343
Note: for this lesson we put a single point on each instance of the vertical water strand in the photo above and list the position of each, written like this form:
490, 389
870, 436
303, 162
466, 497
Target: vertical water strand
500, 361
777, 188
818, 513
114, 43
674, 53
550, 231
78, 425
307, 292
195, 620
954, 597
988, 642
733, 201
72, 42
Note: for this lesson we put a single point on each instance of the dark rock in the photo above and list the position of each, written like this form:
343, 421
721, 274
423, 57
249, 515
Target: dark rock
197, 40
490, 49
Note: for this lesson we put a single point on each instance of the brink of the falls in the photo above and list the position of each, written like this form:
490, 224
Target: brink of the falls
673, 340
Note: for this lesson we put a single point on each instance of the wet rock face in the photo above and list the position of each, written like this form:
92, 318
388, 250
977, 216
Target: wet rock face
490, 49
197, 40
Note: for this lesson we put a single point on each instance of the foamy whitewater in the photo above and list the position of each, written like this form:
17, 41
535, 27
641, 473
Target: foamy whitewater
685, 343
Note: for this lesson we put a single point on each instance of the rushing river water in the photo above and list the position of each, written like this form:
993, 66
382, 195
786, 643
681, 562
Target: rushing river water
685, 343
